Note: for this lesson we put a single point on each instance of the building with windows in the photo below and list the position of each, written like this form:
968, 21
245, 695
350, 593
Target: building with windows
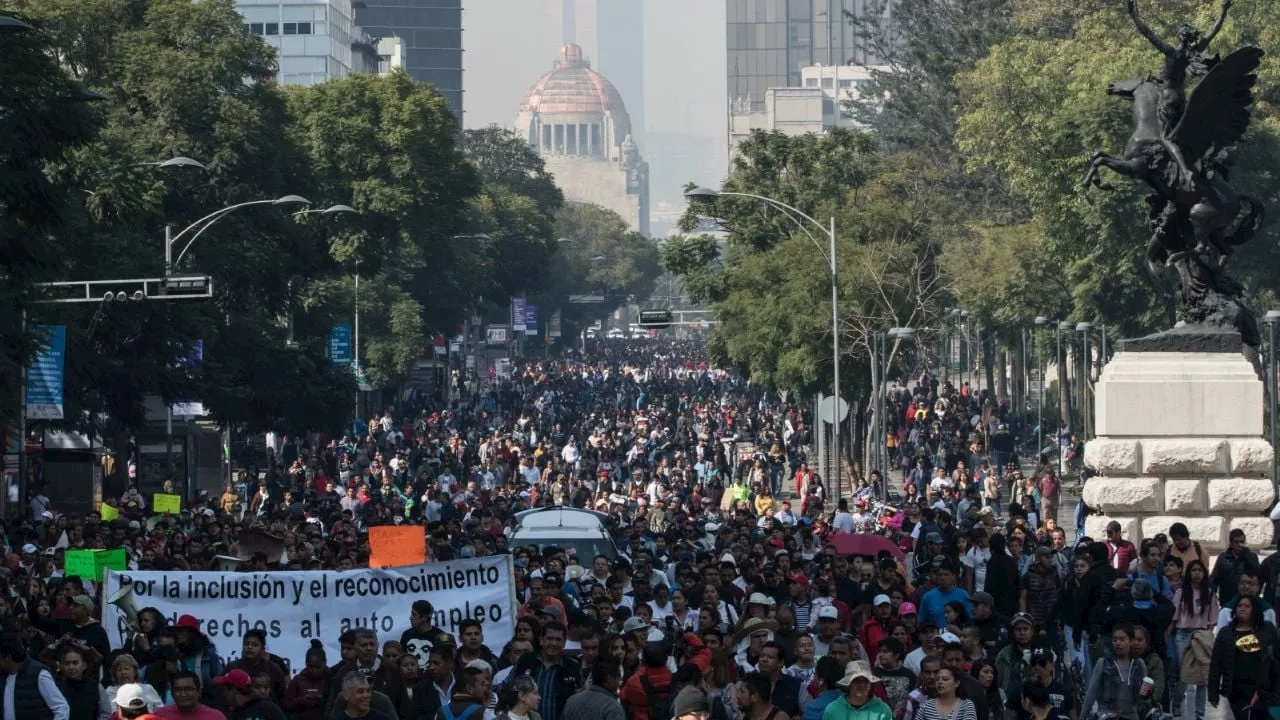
578, 123
769, 42
431, 33
313, 37
820, 103
318, 40
842, 83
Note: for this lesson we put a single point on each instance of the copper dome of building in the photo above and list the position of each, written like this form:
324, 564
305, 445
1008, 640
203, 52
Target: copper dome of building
574, 110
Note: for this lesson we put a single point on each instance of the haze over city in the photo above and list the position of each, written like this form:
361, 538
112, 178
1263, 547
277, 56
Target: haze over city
508, 44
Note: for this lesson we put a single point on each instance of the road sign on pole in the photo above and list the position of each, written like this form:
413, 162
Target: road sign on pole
827, 408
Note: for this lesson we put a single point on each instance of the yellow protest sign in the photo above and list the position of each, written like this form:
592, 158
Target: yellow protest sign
162, 503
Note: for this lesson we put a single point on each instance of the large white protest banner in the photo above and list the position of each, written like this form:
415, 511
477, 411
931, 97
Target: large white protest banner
294, 607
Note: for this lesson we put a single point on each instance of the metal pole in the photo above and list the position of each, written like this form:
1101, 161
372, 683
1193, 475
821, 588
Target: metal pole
1022, 379
22, 433
1086, 356
1271, 380
356, 417
1039, 399
835, 354
1063, 377
168, 250
877, 361
1102, 360
168, 428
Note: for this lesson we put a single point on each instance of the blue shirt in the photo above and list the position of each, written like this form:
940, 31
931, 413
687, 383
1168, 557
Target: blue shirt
813, 711
547, 706
933, 602
1159, 582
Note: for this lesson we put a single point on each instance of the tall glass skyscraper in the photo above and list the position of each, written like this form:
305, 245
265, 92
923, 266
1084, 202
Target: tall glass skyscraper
431, 31
769, 41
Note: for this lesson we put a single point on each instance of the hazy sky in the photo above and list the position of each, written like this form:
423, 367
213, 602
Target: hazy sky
508, 44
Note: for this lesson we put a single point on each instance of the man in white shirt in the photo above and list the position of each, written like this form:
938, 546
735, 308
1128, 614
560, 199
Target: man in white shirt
35, 680
570, 455
530, 474
975, 562
786, 517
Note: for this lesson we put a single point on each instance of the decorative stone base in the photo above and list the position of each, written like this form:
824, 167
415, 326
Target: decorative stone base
1179, 440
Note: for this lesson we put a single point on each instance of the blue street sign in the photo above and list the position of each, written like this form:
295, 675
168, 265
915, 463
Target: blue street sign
46, 373
340, 344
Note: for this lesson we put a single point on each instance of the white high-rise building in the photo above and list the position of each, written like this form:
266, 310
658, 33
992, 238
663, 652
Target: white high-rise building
316, 40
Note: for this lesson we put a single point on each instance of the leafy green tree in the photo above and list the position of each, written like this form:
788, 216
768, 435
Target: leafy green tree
182, 79
43, 117
515, 210
770, 284
925, 44
506, 160
388, 146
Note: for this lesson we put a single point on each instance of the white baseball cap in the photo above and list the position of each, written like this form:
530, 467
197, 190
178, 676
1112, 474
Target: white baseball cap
882, 600
131, 696
828, 612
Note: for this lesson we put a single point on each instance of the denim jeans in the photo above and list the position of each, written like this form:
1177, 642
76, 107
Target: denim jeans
1082, 654
1180, 640
996, 506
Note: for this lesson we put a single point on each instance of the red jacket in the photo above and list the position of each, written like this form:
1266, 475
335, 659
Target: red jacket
871, 635
1120, 555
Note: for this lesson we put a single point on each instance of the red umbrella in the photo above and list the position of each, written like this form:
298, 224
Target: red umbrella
864, 544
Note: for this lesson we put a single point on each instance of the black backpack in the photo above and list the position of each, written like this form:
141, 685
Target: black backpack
659, 701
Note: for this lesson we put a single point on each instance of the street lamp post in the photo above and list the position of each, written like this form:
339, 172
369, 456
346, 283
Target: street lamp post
1065, 377
799, 217
1271, 318
355, 356
197, 229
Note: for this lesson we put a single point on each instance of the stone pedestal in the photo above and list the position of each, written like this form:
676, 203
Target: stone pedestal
1179, 439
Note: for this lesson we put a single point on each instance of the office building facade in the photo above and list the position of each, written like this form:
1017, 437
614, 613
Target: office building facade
313, 38
431, 35
769, 42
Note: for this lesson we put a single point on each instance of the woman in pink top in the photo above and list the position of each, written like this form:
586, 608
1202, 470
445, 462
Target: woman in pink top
1195, 608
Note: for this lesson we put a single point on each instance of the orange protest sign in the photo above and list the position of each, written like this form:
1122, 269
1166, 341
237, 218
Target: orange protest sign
397, 546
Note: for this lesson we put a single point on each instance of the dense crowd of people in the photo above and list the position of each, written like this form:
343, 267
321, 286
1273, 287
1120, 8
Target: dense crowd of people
739, 586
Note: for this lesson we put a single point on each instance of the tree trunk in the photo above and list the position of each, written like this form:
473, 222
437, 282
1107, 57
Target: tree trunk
1002, 380
987, 348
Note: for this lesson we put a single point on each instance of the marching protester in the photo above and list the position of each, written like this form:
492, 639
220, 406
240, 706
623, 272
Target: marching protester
728, 579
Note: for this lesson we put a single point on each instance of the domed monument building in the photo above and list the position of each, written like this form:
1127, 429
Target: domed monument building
578, 123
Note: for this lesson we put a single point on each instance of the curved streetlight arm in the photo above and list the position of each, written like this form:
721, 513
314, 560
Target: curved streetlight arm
792, 213
205, 222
